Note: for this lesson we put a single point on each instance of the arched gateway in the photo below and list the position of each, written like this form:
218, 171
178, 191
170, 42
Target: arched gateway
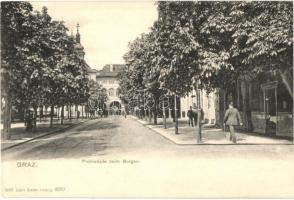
115, 108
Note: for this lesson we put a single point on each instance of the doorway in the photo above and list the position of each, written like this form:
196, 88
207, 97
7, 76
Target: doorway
270, 107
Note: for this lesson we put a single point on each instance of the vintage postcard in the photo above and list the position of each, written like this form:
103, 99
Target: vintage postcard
146, 99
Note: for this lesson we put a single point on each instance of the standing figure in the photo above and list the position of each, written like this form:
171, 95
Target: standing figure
190, 115
29, 120
232, 119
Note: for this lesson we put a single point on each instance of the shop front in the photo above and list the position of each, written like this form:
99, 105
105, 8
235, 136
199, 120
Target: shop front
272, 108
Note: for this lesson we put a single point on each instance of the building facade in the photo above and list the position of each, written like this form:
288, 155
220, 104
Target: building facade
208, 103
108, 78
266, 106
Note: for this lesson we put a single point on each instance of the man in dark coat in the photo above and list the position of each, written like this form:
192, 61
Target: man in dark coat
190, 114
232, 119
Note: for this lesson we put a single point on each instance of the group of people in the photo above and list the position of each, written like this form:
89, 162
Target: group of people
193, 116
232, 118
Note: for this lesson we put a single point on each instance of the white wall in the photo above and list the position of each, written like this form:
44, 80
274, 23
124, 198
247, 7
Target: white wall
206, 102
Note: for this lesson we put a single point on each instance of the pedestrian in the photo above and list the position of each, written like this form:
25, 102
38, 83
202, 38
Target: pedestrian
29, 120
124, 113
232, 119
190, 114
78, 114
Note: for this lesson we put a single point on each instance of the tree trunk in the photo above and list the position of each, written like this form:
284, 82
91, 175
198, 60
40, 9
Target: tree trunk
77, 112
62, 114
41, 113
164, 116
244, 102
246, 94
58, 113
238, 94
176, 116
7, 117
46, 108
82, 112
70, 112
199, 131
155, 110
287, 80
67, 111
224, 108
35, 118
149, 115
25, 115
51, 116
249, 116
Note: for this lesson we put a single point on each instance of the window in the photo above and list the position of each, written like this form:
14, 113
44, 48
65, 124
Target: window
111, 92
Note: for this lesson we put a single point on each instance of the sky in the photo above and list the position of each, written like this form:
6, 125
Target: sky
105, 27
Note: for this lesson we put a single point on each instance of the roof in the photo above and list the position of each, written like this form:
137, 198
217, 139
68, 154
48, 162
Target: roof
111, 70
78, 46
89, 69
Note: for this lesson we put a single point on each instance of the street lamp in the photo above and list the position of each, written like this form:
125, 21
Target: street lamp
175, 97
164, 103
199, 113
144, 104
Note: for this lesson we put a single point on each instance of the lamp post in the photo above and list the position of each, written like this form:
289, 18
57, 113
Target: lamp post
99, 102
175, 99
144, 105
176, 115
199, 114
164, 102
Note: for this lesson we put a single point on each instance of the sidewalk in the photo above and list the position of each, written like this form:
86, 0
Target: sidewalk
210, 135
19, 135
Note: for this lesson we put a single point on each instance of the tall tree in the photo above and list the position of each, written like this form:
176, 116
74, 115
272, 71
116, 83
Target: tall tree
263, 38
14, 19
178, 60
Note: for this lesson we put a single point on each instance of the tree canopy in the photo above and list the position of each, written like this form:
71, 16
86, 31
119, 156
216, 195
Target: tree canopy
39, 63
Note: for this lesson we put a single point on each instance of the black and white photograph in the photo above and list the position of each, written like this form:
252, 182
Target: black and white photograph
147, 99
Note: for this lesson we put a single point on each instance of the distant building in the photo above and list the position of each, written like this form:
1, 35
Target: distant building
108, 78
207, 103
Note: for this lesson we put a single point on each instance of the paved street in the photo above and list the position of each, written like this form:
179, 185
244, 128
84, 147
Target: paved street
119, 136
155, 167
108, 136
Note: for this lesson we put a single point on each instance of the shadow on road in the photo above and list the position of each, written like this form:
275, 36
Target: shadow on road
89, 140
100, 125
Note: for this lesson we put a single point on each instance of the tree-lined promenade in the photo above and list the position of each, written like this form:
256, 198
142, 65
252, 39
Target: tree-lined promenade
209, 45
39, 65
192, 45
